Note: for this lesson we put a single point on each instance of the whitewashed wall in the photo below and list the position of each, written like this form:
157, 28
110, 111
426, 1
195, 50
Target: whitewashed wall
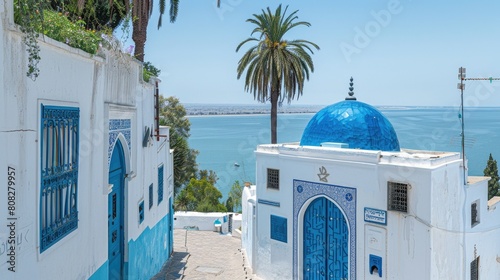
247, 223
482, 239
421, 244
204, 221
103, 88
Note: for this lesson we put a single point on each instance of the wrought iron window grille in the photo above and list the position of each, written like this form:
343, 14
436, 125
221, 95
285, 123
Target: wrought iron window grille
59, 141
397, 199
273, 178
160, 184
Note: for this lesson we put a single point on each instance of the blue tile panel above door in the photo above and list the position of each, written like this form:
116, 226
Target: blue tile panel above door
117, 126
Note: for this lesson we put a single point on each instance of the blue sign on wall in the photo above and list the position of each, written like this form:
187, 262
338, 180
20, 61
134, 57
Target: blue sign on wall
375, 216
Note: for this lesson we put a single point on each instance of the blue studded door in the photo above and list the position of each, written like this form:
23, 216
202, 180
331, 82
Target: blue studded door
326, 238
115, 213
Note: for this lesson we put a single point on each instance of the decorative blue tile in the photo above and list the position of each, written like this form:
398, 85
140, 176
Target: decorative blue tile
117, 126
344, 197
278, 228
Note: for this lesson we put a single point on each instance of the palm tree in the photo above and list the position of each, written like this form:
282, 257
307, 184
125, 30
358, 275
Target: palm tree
275, 64
141, 12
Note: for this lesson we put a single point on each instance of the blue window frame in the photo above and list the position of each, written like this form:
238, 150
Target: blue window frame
160, 184
278, 228
59, 136
141, 211
150, 196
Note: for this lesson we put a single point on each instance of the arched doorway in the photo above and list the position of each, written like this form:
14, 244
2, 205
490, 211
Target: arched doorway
115, 212
326, 239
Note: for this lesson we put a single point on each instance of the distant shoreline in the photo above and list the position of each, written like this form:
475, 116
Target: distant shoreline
245, 114
249, 110
225, 110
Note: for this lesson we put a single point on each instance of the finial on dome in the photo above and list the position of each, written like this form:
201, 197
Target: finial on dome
351, 92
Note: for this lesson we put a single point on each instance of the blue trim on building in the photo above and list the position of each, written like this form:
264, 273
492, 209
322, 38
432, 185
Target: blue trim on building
268, 202
149, 251
101, 273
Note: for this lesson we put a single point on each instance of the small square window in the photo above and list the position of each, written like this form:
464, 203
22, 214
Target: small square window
397, 197
273, 179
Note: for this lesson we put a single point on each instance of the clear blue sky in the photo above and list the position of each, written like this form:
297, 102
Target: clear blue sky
399, 52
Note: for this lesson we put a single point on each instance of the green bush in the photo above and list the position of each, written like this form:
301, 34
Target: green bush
148, 70
58, 27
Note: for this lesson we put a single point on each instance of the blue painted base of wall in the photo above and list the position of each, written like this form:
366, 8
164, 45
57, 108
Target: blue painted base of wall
101, 273
150, 251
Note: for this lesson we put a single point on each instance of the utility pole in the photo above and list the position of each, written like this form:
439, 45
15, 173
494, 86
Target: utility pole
461, 87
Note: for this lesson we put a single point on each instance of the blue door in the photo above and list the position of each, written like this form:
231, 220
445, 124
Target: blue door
115, 213
325, 241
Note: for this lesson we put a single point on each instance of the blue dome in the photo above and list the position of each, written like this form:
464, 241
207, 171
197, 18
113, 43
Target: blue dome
352, 123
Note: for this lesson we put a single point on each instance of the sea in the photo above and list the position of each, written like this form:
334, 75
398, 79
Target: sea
226, 143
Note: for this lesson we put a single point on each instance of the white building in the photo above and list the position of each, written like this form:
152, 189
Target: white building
86, 183
347, 203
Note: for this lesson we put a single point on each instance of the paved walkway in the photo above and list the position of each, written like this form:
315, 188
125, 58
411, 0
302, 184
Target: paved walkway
205, 255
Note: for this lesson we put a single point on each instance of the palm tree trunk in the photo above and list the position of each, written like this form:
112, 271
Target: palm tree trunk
139, 35
275, 92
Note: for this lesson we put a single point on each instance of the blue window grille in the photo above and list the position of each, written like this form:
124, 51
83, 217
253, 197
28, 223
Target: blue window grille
150, 196
59, 136
141, 212
278, 228
160, 184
